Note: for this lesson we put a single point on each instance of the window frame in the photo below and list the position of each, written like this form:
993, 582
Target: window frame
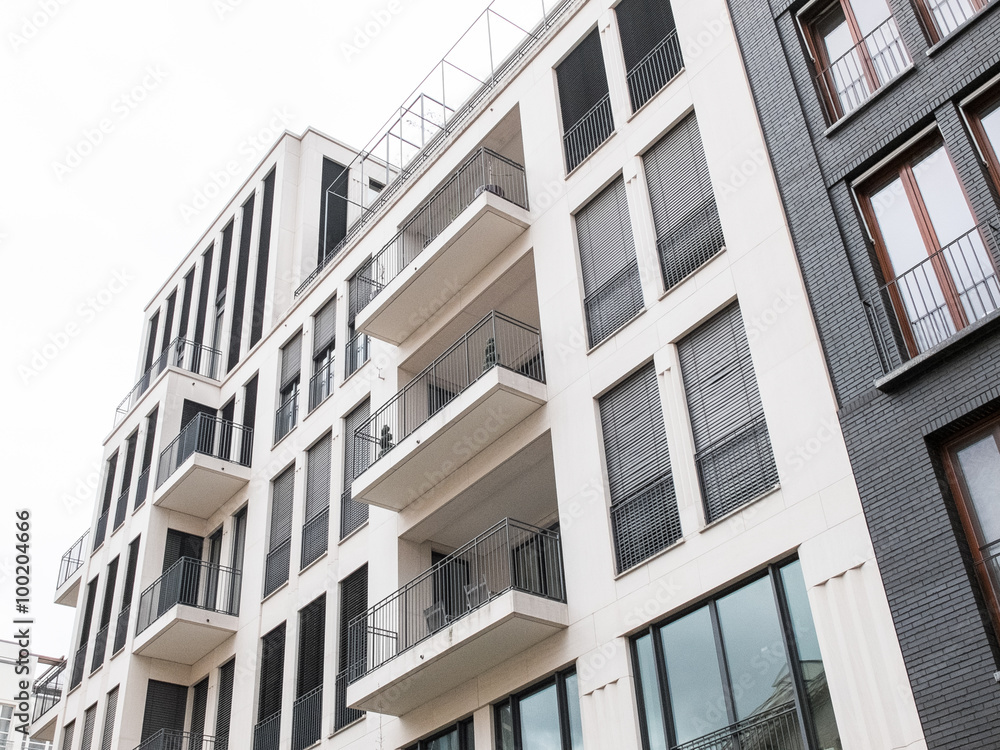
514, 699
459, 725
933, 32
986, 104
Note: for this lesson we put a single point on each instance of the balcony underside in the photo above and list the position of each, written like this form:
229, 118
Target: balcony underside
185, 634
67, 593
463, 428
201, 486
465, 649
477, 236
44, 729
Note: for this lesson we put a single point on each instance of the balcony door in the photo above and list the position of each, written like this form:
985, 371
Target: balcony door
182, 586
939, 275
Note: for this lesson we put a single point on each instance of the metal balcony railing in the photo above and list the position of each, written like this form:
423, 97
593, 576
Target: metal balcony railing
187, 355
121, 629
940, 296
102, 529
358, 351
353, 514
71, 560
654, 71
496, 341
121, 509
342, 715
321, 385
169, 739
690, 243
307, 719
286, 416
775, 729
850, 80
736, 469
276, 566
645, 523
267, 733
142, 488
100, 647
589, 132
510, 556
209, 436
192, 583
948, 15
79, 665
315, 537
48, 689
613, 304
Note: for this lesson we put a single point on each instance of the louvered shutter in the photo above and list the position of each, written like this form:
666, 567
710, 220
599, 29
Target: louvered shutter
223, 718
133, 560
733, 449
147, 447
109, 720
312, 642
89, 719
182, 327
263, 257
582, 80
291, 361
240, 291
168, 321
68, 732
272, 662
318, 477
204, 289
109, 592
166, 705
199, 707
352, 512
353, 602
642, 25
325, 327
281, 508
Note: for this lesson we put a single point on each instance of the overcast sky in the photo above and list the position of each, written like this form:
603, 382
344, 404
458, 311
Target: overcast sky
120, 114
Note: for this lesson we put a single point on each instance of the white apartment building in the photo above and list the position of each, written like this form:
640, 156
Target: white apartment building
16, 670
510, 430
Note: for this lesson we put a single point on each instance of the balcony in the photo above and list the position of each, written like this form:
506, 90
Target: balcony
189, 610
924, 309
589, 132
182, 354
170, 739
459, 405
204, 466
48, 692
478, 212
490, 600
68, 581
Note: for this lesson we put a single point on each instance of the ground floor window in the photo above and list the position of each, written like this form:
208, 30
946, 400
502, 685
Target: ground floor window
459, 736
546, 716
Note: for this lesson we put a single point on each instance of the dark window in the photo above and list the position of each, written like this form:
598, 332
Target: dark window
227, 249
544, 716
89, 722
128, 587
154, 326
985, 121
121, 506
109, 489
584, 100
182, 327
286, 417
224, 711
316, 526
742, 670
280, 537
333, 209
944, 16
168, 321
104, 624
263, 256
199, 707
110, 709
68, 731
307, 711
460, 736
324, 345
166, 706
611, 283
649, 45
203, 292
272, 670
360, 292
142, 486
352, 512
352, 656
240, 292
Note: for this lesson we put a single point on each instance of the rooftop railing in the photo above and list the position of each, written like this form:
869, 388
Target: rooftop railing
209, 436
169, 739
71, 560
192, 583
654, 71
48, 689
589, 132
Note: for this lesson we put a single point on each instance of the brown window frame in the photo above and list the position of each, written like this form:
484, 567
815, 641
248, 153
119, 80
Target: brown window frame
932, 28
986, 104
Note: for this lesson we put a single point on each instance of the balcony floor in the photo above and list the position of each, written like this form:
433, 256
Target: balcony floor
67, 593
44, 730
184, 634
201, 485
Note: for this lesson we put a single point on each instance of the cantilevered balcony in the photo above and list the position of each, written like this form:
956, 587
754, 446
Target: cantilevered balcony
459, 405
183, 354
204, 466
170, 739
70, 567
499, 594
188, 611
478, 212
48, 692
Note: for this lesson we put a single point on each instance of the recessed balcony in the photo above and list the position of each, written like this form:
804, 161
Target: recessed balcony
190, 610
480, 388
48, 691
204, 466
70, 572
478, 212
490, 600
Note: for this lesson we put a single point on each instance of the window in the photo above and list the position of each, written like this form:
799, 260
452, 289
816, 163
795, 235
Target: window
352, 657
732, 446
584, 100
461, 736
110, 709
121, 627
611, 283
644, 517
199, 709
316, 526
735, 672
89, 720
939, 274
79, 660
267, 732
168, 324
353, 513
121, 507
944, 16
361, 290
165, 709
148, 441
650, 47
374, 189
109, 489
287, 414
307, 711
333, 210
544, 717
688, 230
101, 639
68, 731
204, 289
224, 711
857, 50
276, 565
324, 345
240, 290
985, 122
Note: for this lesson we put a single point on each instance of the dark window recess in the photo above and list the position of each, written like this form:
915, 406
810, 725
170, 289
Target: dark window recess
168, 321
461, 736
182, 324
352, 512
732, 446
644, 515
611, 283
688, 229
287, 414
128, 587
121, 506
359, 294
545, 715
80, 658
109, 488
166, 706
224, 257
324, 346
249, 417
89, 723
240, 292
203, 291
276, 566
332, 210
272, 666
104, 624
142, 486
353, 603
307, 711
154, 327
68, 731
224, 712
650, 47
110, 709
584, 100
316, 526
263, 256
199, 707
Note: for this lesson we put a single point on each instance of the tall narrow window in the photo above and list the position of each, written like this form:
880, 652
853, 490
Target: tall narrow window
80, 659
324, 345
939, 273
731, 442
199, 707
168, 323
68, 731
121, 506
148, 441
101, 639
359, 295
461, 736
688, 230
650, 47
182, 324
204, 290
584, 100
109, 489
89, 725
333, 210
287, 414
644, 517
121, 627
249, 419
110, 709
266, 733
224, 709
240, 290
153, 329
263, 258
352, 656
165, 709
353, 513
543, 717
985, 121
857, 50
280, 537
316, 526
307, 711
221, 289
611, 283
944, 16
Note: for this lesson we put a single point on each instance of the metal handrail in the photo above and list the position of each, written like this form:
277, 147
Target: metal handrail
47, 689
192, 583
307, 719
358, 350
736, 468
583, 137
209, 436
121, 629
79, 665
101, 529
948, 15
645, 522
613, 303
100, 647
286, 416
72, 560
171, 739
777, 727
353, 514
691, 242
277, 566
655, 70
321, 384
266, 733
142, 487
315, 537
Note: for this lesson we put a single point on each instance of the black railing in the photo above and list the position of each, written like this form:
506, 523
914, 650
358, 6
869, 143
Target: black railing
187, 355
496, 341
121, 629
937, 298
121, 509
690, 243
209, 436
775, 729
191, 583
267, 733
358, 351
589, 132
353, 514
736, 469
102, 528
655, 70
510, 556
613, 304
645, 523
321, 385
48, 689
483, 172
342, 715
71, 561
276, 566
142, 488
307, 719
100, 647
315, 537
286, 416
170, 739
851, 79
79, 665
948, 15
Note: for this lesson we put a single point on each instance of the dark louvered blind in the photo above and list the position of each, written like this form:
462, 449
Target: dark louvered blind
89, 720
166, 705
318, 477
272, 665
168, 321
199, 707
68, 731
182, 327
582, 80
325, 327
147, 446
733, 449
359, 292
203, 292
223, 717
110, 709
333, 207
281, 508
250, 403
263, 257
353, 602
240, 292
687, 223
180, 544
88, 612
354, 420
642, 24
109, 592
154, 326
291, 360
109, 483
130, 566
312, 640
129, 461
